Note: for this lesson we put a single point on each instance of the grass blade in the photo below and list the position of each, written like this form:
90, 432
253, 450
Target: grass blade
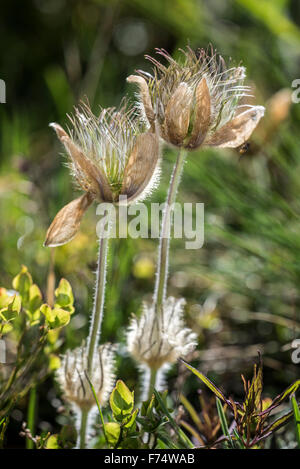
206, 381
98, 405
297, 418
183, 437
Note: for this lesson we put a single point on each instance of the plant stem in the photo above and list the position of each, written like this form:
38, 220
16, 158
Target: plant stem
164, 241
97, 314
31, 415
83, 427
51, 279
96, 321
152, 382
163, 251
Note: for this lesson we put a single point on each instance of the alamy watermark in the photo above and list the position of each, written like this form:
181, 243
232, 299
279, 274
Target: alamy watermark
184, 221
296, 352
296, 92
2, 92
2, 351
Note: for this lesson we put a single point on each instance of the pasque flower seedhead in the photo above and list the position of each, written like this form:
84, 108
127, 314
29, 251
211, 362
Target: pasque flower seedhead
73, 380
109, 156
197, 101
155, 340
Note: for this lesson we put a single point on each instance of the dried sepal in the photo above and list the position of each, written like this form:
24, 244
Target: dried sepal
66, 223
238, 130
60, 132
145, 97
202, 115
141, 166
178, 114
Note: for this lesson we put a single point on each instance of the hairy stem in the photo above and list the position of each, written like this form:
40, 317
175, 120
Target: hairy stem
164, 239
31, 413
96, 321
152, 382
83, 428
97, 314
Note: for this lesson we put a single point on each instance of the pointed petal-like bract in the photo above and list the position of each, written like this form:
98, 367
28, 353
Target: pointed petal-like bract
145, 97
141, 166
238, 130
60, 132
178, 114
97, 183
66, 223
202, 115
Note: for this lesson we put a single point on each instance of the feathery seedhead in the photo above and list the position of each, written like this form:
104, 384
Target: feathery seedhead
73, 381
197, 102
109, 157
155, 340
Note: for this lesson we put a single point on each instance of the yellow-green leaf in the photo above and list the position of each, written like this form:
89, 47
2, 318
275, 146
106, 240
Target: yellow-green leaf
121, 401
54, 362
112, 431
13, 308
35, 300
52, 442
64, 295
55, 317
131, 419
22, 283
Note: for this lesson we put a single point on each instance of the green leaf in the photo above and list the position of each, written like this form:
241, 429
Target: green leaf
182, 436
191, 410
64, 296
131, 419
296, 418
67, 437
222, 418
5, 299
22, 283
253, 398
112, 432
52, 442
97, 402
206, 381
9, 313
13, 308
54, 362
121, 401
35, 302
279, 399
278, 423
223, 421
55, 317
131, 443
148, 407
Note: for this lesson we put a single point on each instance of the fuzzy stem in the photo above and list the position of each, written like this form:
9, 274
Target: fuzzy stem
97, 314
96, 320
152, 382
164, 239
31, 414
83, 426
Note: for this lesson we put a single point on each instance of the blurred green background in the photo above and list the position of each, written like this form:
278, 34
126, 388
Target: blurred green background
242, 287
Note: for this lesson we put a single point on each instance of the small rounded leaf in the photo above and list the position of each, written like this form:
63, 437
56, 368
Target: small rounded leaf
112, 432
